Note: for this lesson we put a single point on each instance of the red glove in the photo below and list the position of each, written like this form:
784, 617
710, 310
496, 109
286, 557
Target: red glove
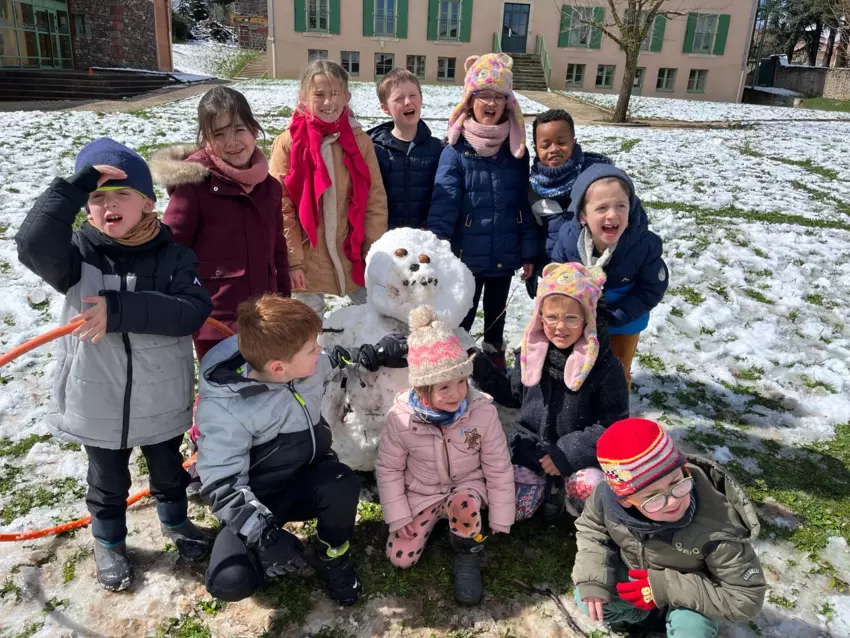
637, 590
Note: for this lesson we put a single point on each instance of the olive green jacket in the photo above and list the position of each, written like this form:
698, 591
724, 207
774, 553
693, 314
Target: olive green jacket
708, 566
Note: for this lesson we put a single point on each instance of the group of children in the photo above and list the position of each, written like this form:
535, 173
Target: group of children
242, 233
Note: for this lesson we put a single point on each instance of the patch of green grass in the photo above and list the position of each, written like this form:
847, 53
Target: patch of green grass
230, 66
733, 212
29, 630
688, 294
53, 604
12, 189
761, 253
211, 607
146, 150
627, 145
651, 362
758, 296
370, 512
764, 272
706, 331
168, 546
753, 373
827, 611
825, 104
286, 111
26, 498
793, 315
331, 632
719, 289
3, 227
822, 196
145, 114
8, 477
142, 465
11, 589
20, 448
69, 567
677, 312
814, 384
185, 627
780, 601
807, 164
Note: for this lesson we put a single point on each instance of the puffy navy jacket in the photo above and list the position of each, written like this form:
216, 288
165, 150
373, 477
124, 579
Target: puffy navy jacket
408, 174
481, 205
637, 274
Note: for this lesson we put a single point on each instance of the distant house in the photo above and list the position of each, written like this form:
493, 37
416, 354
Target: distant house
77, 34
701, 55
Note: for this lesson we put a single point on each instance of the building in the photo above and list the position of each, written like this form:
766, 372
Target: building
79, 34
700, 55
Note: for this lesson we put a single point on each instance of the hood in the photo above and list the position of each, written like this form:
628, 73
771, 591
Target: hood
170, 168
221, 373
382, 135
725, 483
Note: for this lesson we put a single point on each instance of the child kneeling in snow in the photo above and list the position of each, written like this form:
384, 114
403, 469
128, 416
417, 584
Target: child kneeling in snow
443, 454
124, 378
666, 540
264, 453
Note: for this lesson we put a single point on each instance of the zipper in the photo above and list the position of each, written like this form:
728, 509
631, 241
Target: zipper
303, 405
448, 460
256, 463
128, 389
407, 181
641, 556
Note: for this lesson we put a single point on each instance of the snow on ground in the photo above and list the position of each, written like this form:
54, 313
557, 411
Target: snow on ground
746, 359
703, 111
201, 58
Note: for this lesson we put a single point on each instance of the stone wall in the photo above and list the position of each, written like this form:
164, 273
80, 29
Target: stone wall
831, 83
117, 34
251, 33
251, 8
837, 84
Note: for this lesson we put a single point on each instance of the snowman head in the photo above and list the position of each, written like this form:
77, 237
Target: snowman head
408, 267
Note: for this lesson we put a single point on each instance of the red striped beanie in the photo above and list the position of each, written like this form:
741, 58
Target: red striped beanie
634, 453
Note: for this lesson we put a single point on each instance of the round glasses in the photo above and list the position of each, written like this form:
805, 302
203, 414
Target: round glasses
570, 321
495, 98
658, 502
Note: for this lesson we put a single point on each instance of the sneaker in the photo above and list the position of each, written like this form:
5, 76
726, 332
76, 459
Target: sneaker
114, 569
339, 574
192, 544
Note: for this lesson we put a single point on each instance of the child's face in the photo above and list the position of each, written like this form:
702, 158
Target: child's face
563, 320
488, 107
606, 212
449, 395
404, 104
302, 365
555, 142
232, 141
327, 98
118, 212
675, 508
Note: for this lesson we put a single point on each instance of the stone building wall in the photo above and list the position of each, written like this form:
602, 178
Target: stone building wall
251, 8
117, 34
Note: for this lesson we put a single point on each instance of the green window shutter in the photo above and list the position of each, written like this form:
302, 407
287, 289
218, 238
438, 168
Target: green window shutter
658, 33
433, 18
334, 17
722, 33
465, 20
368, 18
596, 34
690, 32
300, 16
566, 21
401, 19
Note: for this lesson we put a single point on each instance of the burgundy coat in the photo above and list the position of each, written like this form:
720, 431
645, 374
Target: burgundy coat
237, 236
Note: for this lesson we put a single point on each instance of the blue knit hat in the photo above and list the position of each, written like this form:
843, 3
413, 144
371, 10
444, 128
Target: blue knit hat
105, 151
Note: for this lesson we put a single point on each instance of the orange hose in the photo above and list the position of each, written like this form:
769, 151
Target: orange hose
80, 522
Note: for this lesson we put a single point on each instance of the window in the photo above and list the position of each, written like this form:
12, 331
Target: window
605, 76
416, 65
579, 31
385, 15
637, 85
706, 29
6, 13
666, 80
446, 68
647, 41
697, 80
351, 62
80, 25
449, 21
384, 63
316, 54
575, 75
317, 15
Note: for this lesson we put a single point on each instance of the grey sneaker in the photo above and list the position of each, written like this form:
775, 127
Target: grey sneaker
192, 544
114, 569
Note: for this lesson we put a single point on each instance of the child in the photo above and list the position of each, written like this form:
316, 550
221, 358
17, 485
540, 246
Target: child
226, 207
665, 536
560, 160
407, 153
568, 386
334, 204
480, 199
610, 231
124, 378
443, 454
264, 454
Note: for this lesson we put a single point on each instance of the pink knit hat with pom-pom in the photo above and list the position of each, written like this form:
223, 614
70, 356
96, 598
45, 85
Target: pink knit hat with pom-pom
434, 354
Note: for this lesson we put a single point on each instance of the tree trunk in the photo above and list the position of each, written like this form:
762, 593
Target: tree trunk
843, 46
830, 48
622, 111
814, 43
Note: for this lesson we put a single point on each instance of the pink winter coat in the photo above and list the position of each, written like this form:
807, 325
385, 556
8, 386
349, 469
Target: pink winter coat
418, 464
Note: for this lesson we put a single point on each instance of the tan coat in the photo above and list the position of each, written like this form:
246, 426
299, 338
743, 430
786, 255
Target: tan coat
325, 265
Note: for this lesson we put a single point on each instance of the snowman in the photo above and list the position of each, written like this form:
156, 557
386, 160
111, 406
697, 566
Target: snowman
405, 268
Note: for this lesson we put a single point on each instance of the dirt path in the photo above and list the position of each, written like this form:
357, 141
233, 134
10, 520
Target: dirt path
582, 112
148, 100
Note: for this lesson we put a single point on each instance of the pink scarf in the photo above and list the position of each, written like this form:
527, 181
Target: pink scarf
486, 140
247, 178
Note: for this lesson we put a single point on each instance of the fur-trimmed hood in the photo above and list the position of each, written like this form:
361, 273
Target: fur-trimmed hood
170, 168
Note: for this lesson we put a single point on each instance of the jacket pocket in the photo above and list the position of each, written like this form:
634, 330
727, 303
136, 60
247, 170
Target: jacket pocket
216, 270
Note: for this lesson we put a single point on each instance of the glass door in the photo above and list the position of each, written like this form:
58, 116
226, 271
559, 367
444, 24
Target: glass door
515, 27
637, 85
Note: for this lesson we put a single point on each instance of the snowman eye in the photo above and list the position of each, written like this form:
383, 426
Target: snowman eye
400, 252
424, 259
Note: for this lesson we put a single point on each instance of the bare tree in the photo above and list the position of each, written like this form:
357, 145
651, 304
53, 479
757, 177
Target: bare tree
628, 23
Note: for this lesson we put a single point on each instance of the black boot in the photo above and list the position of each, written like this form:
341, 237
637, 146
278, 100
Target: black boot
192, 544
466, 564
114, 570
341, 581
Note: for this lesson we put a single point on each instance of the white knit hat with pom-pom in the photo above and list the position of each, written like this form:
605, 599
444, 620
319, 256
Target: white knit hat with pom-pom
434, 353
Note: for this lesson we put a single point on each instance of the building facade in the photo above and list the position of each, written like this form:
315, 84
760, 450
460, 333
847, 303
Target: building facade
700, 55
79, 34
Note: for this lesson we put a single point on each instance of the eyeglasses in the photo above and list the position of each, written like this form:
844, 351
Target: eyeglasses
571, 321
495, 98
658, 502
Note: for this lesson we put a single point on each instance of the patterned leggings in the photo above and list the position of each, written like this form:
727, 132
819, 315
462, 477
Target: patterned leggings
462, 508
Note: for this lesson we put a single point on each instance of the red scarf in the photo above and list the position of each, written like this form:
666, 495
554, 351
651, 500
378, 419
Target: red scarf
308, 179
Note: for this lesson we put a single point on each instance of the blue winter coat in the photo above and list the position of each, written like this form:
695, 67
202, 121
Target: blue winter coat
637, 274
408, 175
481, 205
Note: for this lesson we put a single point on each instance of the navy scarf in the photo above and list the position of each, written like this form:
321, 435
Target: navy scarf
551, 182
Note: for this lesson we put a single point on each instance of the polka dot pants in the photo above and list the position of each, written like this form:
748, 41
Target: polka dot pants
462, 508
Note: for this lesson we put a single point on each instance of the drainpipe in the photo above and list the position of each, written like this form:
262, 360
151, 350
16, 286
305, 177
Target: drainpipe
743, 80
270, 48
